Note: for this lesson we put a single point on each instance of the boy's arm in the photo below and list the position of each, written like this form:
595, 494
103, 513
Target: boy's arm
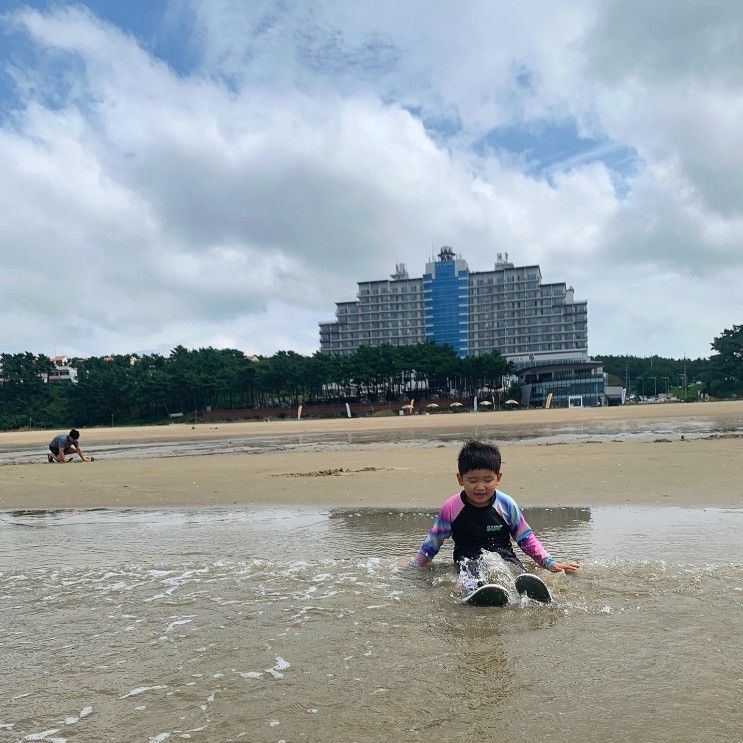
528, 542
522, 533
80, 453
440, 531
531, 546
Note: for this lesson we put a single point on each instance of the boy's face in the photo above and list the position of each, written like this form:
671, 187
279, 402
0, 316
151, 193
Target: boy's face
479, 485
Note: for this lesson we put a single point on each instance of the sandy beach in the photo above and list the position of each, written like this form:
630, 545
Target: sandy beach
505, 419
691, 473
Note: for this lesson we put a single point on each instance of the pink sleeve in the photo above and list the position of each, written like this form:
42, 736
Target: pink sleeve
533, 547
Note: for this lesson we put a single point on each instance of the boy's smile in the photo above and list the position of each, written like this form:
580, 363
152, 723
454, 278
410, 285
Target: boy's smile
479, 486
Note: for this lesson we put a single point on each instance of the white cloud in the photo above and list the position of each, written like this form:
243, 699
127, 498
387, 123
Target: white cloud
234, 205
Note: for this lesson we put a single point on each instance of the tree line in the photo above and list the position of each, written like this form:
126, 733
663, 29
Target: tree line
721, 375
126, 389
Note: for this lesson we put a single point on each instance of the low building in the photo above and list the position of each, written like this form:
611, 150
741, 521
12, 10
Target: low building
576, 382
615, 395
62, 372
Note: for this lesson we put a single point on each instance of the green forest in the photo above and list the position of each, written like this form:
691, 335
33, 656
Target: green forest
720, 376
130, 389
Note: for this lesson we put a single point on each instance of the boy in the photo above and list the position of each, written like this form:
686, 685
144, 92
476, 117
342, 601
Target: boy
481, 517
65, 443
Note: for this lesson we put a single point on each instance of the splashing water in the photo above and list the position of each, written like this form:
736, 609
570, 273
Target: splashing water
271, 625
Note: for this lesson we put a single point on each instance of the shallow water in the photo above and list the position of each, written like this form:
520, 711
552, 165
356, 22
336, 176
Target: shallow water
486, 425
281, 624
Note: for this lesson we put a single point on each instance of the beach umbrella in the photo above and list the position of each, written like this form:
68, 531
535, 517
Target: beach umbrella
511, 402
408, 406
455, 405
432, 405
486, 403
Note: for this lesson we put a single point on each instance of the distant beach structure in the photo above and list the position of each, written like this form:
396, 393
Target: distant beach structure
539, 327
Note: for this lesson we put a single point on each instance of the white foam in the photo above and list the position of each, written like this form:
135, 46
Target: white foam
176, 623
142, 690
42, 735
159, 738
118, 586
250, 674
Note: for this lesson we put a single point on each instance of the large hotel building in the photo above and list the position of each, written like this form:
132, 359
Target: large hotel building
540, 328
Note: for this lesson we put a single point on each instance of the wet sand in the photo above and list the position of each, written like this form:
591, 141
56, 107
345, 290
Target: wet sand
701, 472
691, 473
273, 623
507, 418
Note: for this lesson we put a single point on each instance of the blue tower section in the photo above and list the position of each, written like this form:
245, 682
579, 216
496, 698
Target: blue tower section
446, 302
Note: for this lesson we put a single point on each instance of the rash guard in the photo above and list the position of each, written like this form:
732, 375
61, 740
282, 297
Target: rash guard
475, 529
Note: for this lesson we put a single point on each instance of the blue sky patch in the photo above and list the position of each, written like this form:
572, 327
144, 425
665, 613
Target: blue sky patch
546, 148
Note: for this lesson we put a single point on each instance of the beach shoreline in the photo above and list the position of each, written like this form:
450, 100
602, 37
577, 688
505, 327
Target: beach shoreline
505, 419
696, 473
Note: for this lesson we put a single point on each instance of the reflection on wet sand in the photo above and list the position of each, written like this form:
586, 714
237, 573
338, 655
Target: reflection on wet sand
565, 517
389, 521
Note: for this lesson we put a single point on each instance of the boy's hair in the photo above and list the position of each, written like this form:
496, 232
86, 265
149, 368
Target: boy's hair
75, 434
477, 455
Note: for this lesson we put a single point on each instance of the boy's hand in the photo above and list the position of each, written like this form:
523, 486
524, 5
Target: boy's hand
567, 567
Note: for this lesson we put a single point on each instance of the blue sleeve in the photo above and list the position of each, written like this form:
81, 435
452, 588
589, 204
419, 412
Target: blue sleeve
440, 531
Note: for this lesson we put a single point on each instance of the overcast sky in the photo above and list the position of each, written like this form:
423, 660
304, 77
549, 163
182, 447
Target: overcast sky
220, 172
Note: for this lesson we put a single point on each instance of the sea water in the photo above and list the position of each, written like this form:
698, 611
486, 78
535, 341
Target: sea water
307, 625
